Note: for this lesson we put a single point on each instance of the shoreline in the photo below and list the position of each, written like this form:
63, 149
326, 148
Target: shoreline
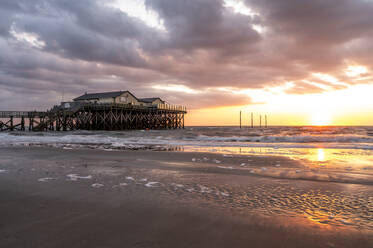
158, 207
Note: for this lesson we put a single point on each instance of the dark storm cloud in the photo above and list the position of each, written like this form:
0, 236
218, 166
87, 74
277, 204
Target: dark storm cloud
204, 24
316, 30
86, 30
87, 45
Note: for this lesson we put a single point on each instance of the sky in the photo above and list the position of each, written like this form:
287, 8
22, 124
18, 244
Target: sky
298, 62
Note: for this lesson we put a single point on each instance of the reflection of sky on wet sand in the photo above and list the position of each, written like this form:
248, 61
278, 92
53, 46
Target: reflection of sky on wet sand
351, 205
350, 159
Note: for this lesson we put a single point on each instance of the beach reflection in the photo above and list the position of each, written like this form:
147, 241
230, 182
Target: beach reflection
320, 154
314, 157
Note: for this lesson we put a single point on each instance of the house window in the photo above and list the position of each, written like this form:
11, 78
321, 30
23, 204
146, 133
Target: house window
124, 98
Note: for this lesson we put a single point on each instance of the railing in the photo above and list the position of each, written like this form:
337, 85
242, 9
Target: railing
128, 106
18, 114
171, 107
73, 106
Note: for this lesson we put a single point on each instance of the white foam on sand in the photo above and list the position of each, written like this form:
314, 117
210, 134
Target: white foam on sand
130, 178
217, 161
153, 184
277, 165
204, 189
120, 185
76, 177
177, 185
194, 160
242, 164
224, 194
97, 185
143, 180
46, 179
226, 167
3, 171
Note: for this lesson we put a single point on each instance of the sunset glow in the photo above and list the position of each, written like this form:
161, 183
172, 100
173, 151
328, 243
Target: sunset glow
320, 119
186, 123
215, 58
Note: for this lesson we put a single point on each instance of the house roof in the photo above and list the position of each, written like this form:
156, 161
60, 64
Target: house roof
149, 100
112, 94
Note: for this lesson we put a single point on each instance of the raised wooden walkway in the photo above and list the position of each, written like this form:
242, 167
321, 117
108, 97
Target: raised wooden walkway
95, 117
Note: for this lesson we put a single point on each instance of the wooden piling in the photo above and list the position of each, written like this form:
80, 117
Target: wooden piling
240, 119
252, 120
97, 117
260, 122
11, 123
22, 123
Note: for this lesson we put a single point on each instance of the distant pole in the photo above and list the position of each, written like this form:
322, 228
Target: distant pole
266, 121
240, 118
252, 120
260, 122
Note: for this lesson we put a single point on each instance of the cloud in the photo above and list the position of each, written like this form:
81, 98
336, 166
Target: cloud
65, 47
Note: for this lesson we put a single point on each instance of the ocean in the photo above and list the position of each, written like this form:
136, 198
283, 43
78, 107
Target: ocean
338, 154
273, 137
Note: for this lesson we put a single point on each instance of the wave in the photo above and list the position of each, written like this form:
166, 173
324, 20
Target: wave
115, 141
291, 139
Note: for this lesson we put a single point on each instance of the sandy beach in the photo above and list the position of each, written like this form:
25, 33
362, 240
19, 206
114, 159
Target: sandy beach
91, 198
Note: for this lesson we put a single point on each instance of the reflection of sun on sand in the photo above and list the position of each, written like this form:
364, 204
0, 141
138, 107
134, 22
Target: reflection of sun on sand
320, 155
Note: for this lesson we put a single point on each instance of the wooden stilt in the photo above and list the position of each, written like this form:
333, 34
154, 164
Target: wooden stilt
240, 119
252, 120
97, 117
260, 122
11, 124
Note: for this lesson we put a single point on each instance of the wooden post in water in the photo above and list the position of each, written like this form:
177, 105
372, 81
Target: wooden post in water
252, 120
266, 121
260, 122
240, 119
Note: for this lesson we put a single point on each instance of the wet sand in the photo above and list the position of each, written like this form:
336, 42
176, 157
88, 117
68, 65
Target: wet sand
88, 198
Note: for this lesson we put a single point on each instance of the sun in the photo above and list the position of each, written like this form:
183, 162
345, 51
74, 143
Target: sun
320, 119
